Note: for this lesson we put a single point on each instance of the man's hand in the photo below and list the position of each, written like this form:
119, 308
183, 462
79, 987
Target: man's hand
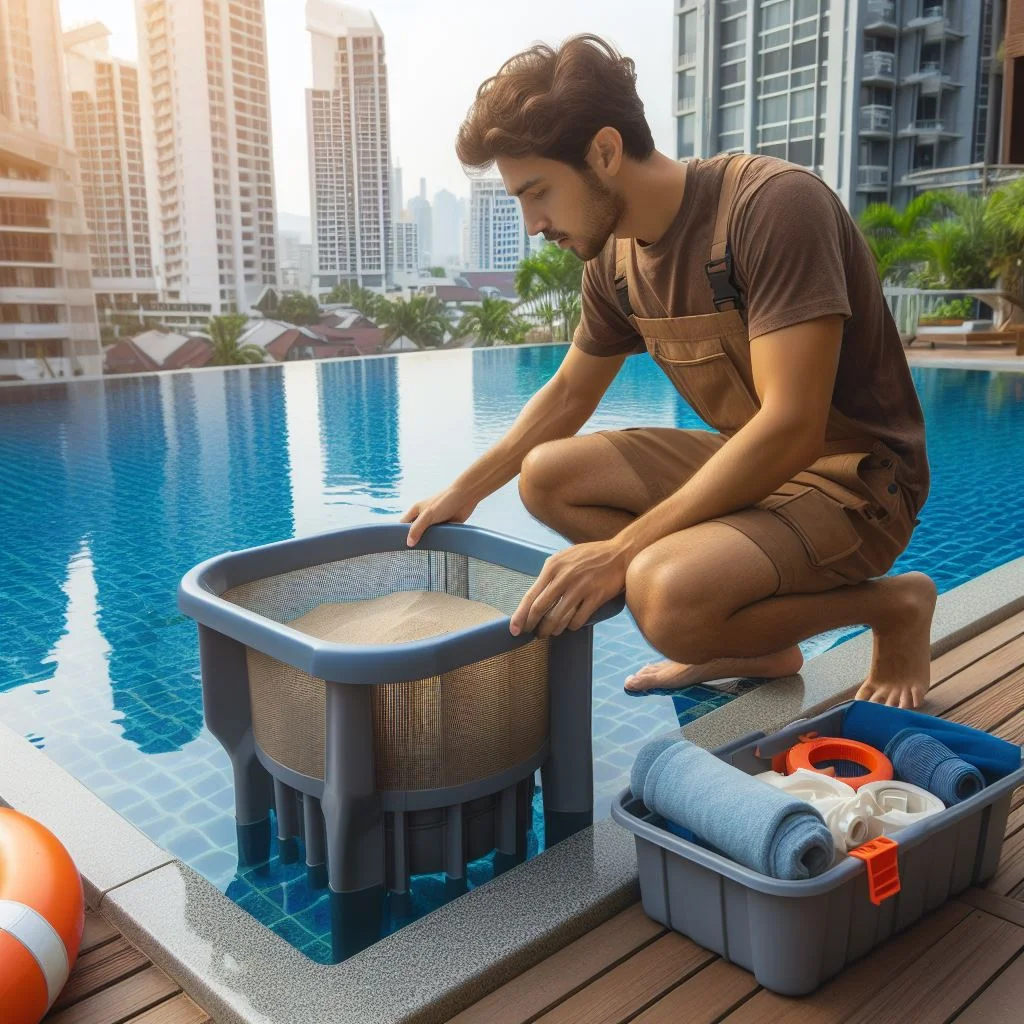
452, 505
572, 585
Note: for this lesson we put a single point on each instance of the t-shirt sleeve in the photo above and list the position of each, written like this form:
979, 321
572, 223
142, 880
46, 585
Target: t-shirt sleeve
787, 245
604, 330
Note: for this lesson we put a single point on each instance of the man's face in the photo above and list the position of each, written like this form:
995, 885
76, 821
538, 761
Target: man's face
574, 208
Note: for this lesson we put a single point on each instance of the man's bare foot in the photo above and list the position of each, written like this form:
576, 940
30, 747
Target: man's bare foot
901, 663
670, 675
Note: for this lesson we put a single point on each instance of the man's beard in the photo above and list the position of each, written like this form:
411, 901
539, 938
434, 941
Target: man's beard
603, 211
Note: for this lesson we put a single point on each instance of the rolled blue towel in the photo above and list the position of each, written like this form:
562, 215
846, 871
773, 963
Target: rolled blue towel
750, 822
927, 762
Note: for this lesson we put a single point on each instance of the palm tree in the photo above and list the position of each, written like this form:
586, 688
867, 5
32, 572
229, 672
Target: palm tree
368, 303
896, 236
225, 332
1004, 218
299, 309
421, 319
493, 320
552, 277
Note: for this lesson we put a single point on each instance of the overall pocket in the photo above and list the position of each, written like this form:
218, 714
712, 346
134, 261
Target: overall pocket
705, 375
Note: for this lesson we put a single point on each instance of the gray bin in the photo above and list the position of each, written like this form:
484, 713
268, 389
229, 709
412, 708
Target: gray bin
396, 759
795, 935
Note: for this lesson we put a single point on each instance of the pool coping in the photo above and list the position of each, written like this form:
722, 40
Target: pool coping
242, 973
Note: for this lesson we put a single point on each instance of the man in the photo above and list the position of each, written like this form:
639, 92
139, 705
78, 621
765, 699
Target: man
747, 282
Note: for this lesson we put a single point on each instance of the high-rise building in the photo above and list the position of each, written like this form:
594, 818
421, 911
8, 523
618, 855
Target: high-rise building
464, 220
206, 123
108, 139
397, 199
447, 230
497, 231
419, 209
48, 324
407, 246
288, 248
349, 147
868, 94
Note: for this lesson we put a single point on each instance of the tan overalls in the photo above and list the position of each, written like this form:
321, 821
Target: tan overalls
843, 520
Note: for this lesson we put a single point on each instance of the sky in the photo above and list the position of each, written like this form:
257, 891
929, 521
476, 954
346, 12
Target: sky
438, 52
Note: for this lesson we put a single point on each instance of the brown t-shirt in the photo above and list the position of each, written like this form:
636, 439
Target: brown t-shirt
797, 255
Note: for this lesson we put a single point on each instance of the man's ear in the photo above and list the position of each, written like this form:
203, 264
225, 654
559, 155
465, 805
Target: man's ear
605, 152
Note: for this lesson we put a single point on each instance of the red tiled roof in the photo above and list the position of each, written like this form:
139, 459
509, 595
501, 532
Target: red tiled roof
126, 357
196, 352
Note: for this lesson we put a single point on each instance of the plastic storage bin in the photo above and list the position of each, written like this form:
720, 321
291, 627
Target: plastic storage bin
795, 935
391, 759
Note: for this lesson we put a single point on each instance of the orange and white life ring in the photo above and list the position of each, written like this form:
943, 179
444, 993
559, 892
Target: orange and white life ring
42, 914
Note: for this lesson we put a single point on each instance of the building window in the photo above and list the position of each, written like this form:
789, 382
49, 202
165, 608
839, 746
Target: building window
685, 140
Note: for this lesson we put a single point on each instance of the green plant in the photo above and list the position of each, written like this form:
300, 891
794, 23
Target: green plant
551, 279
953, 309
225, 332
494, 320
299, 309
421, 319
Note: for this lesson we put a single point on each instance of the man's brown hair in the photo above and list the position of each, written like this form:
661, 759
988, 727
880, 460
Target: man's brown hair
551, 103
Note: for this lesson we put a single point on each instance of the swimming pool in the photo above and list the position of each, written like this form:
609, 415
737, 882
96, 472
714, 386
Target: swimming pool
111, 490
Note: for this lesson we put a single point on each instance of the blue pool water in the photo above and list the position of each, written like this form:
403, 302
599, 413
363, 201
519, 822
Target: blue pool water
110, 491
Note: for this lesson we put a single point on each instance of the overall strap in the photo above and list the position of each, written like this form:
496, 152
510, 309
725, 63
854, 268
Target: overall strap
622, 255
719, 267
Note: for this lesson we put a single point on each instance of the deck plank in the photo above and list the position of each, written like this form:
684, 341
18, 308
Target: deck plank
943, 981
99, 968
975, 682
988, 709
956, 660
121, 1001
632, 986
552, 980
98, 930
992, 903
1000, 1001
178, 1009
704, 998
841, 996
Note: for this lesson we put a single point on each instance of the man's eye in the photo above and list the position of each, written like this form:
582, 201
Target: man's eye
541, 194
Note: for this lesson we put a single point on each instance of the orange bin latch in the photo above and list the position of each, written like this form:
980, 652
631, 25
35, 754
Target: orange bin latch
880, 857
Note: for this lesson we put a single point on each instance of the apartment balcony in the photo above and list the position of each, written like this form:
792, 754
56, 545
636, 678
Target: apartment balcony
686, 106
36, 332
872, 178
931, 14
36, 369
34, 296
878, 68
34, 189
929, 130
931, 79
881, 18
876, 120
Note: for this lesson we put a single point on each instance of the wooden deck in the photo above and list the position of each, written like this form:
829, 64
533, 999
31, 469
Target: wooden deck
113, 983
964, 962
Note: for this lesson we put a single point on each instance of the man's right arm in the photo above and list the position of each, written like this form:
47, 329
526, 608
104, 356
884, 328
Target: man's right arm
557, 410
603, 340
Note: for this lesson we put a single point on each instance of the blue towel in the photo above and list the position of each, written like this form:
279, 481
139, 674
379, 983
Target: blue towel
926, 762
876, 725
748, 821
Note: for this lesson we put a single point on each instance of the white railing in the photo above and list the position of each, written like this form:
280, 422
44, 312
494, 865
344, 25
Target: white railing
926, 125
872, 175
876, 118
879, 65
881, 10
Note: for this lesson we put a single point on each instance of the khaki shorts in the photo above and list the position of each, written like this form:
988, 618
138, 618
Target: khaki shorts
843, 521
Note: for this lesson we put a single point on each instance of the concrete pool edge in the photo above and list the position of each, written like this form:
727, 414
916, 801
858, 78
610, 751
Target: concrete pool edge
241, 972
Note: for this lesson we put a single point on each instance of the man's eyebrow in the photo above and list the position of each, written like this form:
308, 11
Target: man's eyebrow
529, 184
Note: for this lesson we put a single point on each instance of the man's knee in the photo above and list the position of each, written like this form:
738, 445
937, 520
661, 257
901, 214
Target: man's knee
541, 477
667, 605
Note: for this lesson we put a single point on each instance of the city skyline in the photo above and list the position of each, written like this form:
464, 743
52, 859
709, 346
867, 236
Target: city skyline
428, 101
